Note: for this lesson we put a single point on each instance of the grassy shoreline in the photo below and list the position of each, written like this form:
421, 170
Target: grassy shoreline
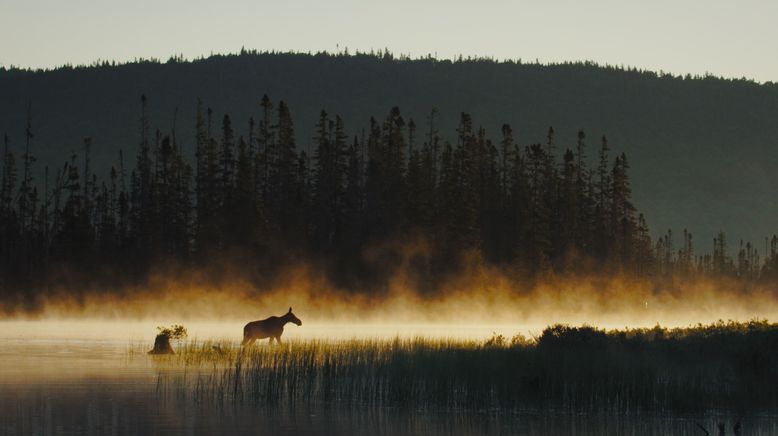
730, 365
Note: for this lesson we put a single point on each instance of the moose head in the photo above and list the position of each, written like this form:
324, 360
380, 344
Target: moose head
293, 319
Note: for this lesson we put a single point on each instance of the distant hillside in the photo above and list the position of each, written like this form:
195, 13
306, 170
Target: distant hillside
703, 151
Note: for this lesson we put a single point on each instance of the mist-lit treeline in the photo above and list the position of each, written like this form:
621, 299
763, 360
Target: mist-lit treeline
260, 199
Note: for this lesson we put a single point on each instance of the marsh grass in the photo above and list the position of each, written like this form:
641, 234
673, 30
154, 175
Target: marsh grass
719, 366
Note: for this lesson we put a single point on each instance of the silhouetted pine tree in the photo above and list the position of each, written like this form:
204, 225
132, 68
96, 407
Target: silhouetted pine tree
622, 211
464, 225
489, 198
519, 203
141, 208
644, 256
226, 164
722, 264
353, 200
283, 178
207, 229
264, 157
567, 233
244, 220
602, 209
9, 226
540, 203
385, 202
583, 238
75, 237
329, 181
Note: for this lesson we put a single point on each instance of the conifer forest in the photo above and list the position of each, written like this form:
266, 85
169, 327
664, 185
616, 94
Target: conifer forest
254, 193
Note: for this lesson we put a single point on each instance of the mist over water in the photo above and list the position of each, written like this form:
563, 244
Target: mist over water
477, 299
77, 360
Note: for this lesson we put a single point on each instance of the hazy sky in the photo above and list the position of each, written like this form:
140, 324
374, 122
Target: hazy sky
733, 38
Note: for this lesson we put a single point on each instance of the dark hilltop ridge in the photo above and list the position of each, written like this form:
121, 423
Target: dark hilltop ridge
703, 150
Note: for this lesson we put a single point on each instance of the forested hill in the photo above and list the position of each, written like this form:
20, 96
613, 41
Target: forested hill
703, 151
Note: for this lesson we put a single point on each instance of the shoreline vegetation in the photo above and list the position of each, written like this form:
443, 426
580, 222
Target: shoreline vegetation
720, 366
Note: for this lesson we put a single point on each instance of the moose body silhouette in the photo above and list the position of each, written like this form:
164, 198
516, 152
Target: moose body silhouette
272, 328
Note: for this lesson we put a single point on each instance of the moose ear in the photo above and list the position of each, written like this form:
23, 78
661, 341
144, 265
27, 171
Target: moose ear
290, 309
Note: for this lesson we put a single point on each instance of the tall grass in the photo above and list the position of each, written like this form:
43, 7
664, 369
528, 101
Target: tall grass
724, 365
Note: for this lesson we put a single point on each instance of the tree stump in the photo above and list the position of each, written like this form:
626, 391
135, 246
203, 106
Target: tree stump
162, 345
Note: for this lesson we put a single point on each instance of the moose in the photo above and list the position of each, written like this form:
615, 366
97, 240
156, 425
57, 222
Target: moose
272, 328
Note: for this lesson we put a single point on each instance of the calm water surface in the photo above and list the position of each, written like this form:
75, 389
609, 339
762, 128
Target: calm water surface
54, 384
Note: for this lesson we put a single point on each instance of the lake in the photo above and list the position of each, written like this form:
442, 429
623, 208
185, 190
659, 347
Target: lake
88, 378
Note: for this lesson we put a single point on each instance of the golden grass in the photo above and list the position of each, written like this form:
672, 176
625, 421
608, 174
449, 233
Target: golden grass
569, 368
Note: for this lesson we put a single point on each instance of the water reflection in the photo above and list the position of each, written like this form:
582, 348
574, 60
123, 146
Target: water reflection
97, 409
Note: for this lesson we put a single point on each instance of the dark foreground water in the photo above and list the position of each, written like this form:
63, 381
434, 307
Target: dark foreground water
94, 387
110, 408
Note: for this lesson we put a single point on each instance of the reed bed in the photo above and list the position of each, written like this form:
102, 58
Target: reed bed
730, 366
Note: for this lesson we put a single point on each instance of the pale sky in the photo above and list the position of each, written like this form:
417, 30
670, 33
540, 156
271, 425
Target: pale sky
731, 38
